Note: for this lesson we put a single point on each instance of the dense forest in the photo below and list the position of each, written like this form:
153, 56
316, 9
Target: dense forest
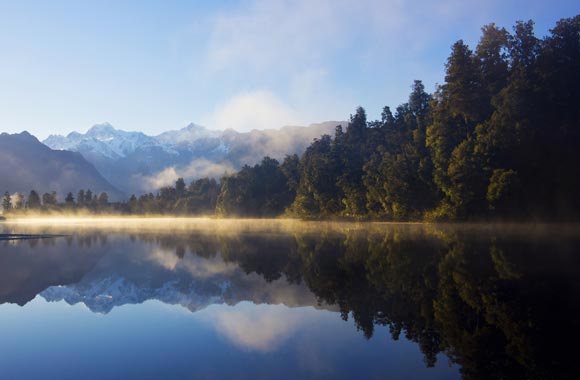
499, 139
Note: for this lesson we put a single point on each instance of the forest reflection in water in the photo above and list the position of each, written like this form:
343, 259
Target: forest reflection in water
499, 301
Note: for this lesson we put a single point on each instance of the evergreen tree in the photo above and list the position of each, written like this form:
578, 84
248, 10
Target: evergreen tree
81, 197
352, 150
7, 202
261, 190
70, 199
33, 200
49, 199
133, 205
103, 200
463, 88
318, 194
290, 167
180, 187
492, 58
398, 177
88, 197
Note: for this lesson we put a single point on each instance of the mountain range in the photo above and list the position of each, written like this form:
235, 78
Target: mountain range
27, 164
137, 163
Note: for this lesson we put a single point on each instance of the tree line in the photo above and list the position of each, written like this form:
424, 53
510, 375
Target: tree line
48, 202
499, 139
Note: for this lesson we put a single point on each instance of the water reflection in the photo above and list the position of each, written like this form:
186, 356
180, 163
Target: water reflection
498, 301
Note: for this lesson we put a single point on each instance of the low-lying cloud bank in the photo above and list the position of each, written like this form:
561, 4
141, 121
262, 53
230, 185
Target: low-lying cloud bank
198, 168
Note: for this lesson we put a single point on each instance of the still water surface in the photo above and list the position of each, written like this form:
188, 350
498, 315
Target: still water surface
186, 299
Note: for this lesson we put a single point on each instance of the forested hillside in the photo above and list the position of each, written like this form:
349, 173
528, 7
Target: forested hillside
500, 138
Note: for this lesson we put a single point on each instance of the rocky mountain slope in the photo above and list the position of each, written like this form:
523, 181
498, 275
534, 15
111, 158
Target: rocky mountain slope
27, 164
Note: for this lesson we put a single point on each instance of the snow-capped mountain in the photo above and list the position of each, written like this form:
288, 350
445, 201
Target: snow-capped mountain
101, 295
108, 287
186, 136
138, 163
110, 292
102, 139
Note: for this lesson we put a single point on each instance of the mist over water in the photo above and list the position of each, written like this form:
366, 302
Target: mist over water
212, 298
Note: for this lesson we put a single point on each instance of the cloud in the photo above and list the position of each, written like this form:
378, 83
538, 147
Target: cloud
252, 110
198, 267
264, 34
261, 328
164, 178
293, 36
319, 60
196, 169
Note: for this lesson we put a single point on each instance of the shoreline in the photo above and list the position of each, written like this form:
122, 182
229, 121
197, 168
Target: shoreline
186, 222
5, 237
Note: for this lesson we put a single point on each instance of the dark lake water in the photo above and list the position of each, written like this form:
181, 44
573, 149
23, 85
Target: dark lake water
192, 299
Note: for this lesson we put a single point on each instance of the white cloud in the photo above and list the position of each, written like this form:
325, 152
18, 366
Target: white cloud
259, 328
198, 267
292, 36
252, 110
267, 34
319, 60
164, 178
266, 63
198, 168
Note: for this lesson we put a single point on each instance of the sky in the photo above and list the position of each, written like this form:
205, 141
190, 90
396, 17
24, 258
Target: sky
154, 66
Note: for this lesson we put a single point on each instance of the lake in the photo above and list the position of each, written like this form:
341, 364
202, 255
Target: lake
264, 299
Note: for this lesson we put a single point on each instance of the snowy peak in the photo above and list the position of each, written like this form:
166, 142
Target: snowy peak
107, 293
101, 139
104, 140
102, 129
187, 135
138, 163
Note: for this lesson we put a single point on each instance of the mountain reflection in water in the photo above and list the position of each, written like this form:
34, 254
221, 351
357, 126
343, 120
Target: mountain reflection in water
497, 301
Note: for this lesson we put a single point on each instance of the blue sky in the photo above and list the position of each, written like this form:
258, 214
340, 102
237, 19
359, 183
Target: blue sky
159, 65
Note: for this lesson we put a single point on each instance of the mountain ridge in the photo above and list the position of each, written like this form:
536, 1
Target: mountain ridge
27, 165
138, 163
